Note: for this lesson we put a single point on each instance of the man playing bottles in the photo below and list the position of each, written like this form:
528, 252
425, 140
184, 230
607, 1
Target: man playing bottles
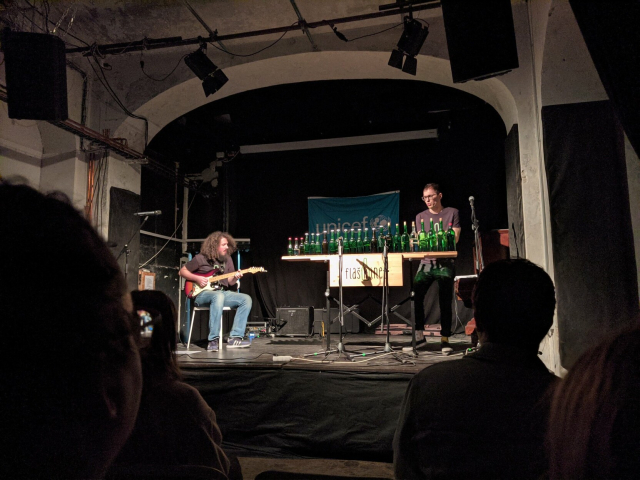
215, 259
441, 271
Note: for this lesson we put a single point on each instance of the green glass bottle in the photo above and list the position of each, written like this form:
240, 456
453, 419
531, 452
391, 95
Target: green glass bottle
431, 237
290, 248
413, 239
306, 243
296, 247
302, 249
318, 248
441, 237
374, 241
451, 234
422, 238
397, 240
353, 248
359, 243
333, 246
345, 242
325, 244
366, 242
404, 239
312, 244
380, 239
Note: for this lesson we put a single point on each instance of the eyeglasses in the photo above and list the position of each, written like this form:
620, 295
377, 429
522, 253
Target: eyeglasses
427, 197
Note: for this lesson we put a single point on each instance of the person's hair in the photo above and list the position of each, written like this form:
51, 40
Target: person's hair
158, 356
67, 330
594, 424
435, 186
514, 302
210, 245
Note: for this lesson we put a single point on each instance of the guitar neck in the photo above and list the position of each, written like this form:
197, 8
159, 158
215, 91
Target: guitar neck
227, 275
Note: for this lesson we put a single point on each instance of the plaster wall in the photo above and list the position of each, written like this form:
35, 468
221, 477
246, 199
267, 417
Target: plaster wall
120, 174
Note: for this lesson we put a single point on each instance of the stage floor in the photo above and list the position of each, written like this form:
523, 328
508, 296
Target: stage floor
308, 353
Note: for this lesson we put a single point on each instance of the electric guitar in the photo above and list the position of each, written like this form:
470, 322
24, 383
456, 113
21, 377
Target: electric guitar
192, 289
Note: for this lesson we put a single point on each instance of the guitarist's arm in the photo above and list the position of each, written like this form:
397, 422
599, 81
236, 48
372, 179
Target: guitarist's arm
230, 268
197, 279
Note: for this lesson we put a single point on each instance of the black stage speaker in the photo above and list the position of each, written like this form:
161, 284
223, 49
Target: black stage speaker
295, 321
481, 38
36, 76
351, 323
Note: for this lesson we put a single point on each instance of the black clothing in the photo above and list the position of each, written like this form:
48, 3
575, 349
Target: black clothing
483, 416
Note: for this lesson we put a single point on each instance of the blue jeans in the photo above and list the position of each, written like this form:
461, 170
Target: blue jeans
223, 298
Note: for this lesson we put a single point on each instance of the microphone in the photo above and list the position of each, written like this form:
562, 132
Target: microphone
471, 200
144, 214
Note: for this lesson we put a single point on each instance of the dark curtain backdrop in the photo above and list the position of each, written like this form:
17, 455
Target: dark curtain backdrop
268, 198
514, 195
123, 228
593, 252
610, 30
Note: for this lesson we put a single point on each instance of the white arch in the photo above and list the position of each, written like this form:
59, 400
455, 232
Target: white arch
306, 67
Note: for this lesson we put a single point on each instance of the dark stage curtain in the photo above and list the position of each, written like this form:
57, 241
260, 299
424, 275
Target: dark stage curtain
593, 252
514, 194
610, 30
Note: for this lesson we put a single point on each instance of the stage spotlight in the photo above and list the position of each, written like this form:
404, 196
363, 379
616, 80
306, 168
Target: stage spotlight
212, 77
409, 45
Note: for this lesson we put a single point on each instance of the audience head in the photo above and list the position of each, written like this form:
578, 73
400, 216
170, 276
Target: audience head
72, 379
594, 425
513, 303
158, 353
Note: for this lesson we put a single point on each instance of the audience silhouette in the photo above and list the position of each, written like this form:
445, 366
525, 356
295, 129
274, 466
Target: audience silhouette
71, 380
594, 424
484, 416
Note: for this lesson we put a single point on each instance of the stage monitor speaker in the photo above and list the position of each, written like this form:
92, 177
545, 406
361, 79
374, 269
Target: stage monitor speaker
351, 322
36, 75
295, 321
481, 38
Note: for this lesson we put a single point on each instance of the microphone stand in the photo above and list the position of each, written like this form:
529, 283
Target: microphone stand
340, 252
126, 250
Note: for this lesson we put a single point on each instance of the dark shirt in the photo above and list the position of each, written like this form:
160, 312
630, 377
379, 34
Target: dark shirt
201, 265
175, 426
447, 214
483, 416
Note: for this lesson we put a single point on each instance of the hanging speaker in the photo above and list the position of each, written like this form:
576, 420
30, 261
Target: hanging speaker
481, 38
36, 76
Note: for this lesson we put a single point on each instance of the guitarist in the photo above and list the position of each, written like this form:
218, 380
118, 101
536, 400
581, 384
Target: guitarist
215, 259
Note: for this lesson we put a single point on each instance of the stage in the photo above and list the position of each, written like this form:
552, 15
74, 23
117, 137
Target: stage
314, 405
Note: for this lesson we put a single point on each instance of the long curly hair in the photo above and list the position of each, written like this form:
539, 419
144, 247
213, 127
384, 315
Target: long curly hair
210, 245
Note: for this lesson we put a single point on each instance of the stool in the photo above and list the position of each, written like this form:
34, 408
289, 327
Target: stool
193, 315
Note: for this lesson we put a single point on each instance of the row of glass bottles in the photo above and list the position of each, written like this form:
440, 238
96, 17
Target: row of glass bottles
437, 240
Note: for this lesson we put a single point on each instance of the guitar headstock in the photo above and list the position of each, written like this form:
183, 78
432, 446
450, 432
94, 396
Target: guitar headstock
256, 269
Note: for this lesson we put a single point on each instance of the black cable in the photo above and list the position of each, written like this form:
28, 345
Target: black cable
254, 53
113, 94
345, 39
53, 23
166, 76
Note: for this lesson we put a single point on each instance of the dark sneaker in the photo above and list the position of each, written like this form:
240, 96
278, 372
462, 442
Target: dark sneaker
213, 346
237, 342
446, 348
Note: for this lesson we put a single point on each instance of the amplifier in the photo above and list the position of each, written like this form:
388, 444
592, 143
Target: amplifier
351, 322
295, 321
